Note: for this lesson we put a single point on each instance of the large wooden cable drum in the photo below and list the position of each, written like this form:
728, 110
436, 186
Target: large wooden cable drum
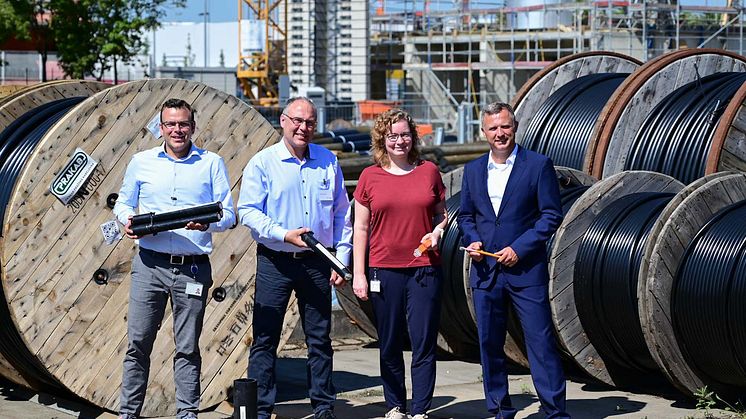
647, 97
562, 267
19, 105
678, 226
67, 290
558, 107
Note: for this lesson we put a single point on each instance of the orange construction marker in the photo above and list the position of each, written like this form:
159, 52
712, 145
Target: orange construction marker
481, 252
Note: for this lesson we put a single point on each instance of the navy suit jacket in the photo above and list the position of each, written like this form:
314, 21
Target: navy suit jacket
529, 214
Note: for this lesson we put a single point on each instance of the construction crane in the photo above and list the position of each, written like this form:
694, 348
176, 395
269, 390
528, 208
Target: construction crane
259, 72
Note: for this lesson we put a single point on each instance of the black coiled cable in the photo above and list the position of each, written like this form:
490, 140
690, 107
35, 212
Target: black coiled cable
568, 196
605, 278
676, 136
457, 323
708, 297
562, 127
17, 142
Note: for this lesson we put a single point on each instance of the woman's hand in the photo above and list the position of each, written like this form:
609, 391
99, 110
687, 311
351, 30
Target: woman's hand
360, 286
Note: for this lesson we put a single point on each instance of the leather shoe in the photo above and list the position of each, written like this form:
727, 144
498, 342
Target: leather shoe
326, 414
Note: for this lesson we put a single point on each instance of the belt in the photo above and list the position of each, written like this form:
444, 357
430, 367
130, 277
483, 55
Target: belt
266, 251
176, 259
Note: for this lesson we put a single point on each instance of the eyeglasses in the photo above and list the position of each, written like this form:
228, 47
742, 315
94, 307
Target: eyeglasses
310, 123
405, 136
172, 125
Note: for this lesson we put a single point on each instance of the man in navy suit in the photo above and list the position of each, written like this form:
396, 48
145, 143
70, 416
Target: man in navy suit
510, 206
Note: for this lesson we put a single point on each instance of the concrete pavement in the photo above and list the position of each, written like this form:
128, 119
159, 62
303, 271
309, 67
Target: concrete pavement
458, 394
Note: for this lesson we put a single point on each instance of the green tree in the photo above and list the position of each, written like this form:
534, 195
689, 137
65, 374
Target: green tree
14, 20
92, 36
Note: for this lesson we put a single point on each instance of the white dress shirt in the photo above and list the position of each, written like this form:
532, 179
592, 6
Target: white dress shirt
497, 178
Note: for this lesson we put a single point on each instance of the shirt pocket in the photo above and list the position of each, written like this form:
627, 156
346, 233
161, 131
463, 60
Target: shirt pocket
326, 195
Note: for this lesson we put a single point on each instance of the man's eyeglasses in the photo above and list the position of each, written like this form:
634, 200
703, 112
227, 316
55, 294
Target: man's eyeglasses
172, 125
406, 136
310, 123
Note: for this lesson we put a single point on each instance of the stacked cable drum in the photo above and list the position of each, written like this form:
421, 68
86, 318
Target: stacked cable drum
691, 290
24, 113
674, 115
66, 290
558, 108
593, 270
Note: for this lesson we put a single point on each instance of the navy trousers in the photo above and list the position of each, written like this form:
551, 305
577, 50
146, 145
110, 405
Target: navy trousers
277, 275
532, 306
409, 296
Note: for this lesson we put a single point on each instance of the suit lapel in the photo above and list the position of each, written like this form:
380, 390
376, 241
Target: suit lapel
482, 182
519, 168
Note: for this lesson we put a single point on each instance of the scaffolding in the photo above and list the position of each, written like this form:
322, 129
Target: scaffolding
466, 53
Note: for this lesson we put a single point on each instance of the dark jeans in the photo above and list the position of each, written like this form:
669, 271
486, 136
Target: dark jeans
277, 276
408, 297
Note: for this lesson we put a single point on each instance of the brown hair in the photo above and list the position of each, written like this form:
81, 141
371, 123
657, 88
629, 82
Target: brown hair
382, 127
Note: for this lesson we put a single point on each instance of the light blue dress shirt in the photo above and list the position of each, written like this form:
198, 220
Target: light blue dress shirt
279, 193
156, 182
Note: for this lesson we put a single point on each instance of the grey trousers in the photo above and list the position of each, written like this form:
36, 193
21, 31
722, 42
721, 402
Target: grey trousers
154, 281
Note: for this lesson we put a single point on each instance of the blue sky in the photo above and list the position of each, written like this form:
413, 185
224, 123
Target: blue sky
219, 10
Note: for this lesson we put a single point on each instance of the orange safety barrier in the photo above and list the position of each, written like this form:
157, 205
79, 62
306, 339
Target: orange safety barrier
370, 109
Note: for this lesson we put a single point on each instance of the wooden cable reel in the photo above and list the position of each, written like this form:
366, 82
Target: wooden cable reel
67, 290
537, 91
571, 334
679, 223
17, 101
645, 88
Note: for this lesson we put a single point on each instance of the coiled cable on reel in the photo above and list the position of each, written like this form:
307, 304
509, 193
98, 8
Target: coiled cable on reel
676, 136
707, 299
562, 127
17, 142
605, 278
460, 325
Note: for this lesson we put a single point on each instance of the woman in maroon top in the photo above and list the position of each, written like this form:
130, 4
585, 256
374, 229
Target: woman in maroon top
399, 204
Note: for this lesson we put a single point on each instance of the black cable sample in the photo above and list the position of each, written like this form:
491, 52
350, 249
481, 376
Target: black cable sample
17, 142
677, 134
320, 250
152, 223
605, 278
562, 126
708, 296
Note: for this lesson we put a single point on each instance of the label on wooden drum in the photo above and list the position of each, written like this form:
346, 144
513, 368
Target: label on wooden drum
71, 178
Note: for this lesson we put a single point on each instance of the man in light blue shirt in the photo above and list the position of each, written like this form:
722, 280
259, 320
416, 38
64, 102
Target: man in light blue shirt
172, 264
288, 189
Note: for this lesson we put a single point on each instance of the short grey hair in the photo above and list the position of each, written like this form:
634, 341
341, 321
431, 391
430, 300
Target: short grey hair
495, 108
297, 98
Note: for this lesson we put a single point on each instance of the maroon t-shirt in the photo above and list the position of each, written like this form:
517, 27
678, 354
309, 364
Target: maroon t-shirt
401, 212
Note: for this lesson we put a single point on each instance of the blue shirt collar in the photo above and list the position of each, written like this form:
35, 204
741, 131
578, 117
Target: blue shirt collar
284, 153
193, 151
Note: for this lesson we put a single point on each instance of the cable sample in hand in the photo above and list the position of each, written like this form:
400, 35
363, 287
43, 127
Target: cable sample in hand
320, 250
152, 223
